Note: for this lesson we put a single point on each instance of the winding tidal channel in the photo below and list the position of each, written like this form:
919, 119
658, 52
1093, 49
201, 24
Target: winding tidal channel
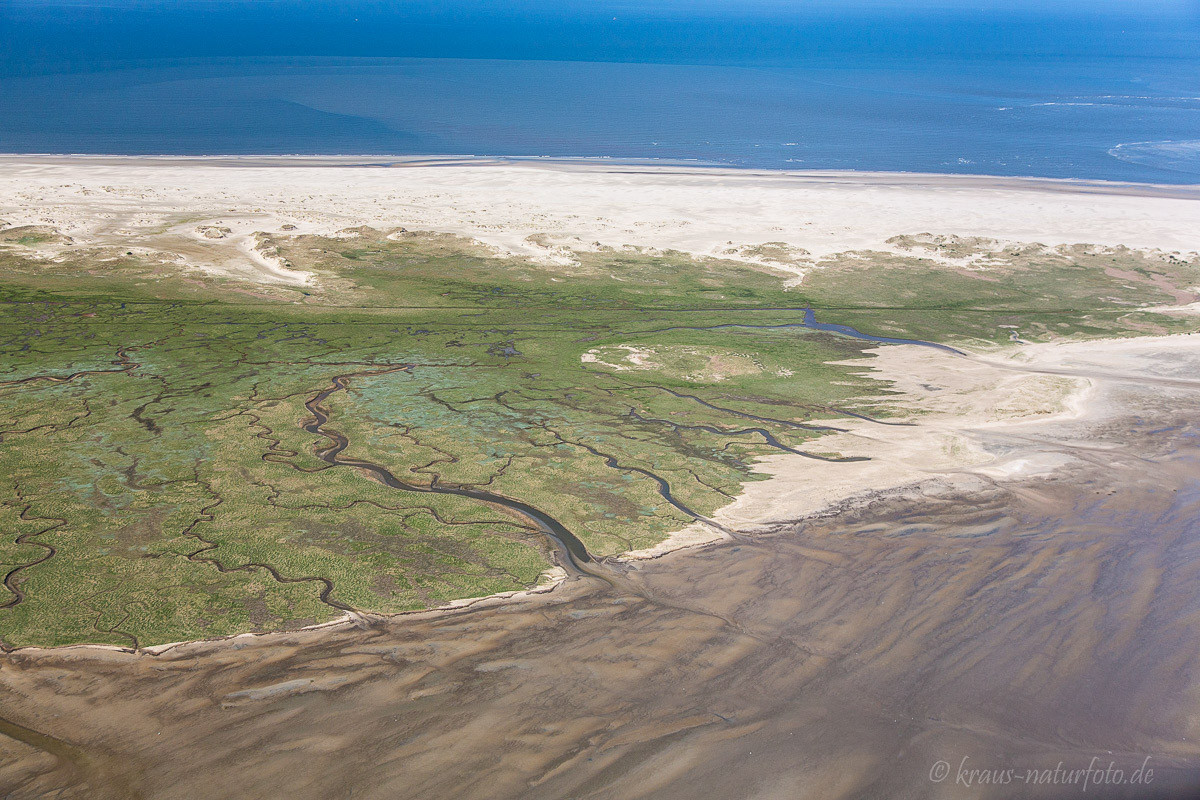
989, 624
571, 554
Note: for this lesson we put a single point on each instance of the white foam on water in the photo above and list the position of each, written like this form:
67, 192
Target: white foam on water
1176, 155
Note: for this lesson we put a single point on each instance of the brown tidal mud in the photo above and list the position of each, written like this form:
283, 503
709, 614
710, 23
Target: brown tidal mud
1015, 624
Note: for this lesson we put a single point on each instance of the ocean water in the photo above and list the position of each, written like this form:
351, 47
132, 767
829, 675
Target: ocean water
1069, 94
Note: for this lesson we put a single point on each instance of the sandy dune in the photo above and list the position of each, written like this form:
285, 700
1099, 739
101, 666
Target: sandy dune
704, 211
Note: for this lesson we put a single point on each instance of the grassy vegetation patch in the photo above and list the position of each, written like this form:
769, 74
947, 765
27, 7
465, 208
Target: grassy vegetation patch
164, 480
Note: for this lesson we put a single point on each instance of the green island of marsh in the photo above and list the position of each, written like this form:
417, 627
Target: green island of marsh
190, 456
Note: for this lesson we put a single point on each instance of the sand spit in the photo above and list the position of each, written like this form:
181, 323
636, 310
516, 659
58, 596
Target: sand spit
538, 208
959, 414
960, 419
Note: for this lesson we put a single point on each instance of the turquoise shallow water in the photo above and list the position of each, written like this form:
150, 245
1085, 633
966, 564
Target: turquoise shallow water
1013, 93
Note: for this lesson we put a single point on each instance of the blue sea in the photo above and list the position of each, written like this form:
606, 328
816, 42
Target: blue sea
1100, 90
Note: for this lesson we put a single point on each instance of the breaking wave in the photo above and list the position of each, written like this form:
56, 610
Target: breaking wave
1175, 155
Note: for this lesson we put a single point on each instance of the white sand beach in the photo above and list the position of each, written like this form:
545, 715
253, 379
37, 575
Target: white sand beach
566, 205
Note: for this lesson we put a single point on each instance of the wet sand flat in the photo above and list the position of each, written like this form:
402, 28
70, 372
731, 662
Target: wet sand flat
1016, 623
